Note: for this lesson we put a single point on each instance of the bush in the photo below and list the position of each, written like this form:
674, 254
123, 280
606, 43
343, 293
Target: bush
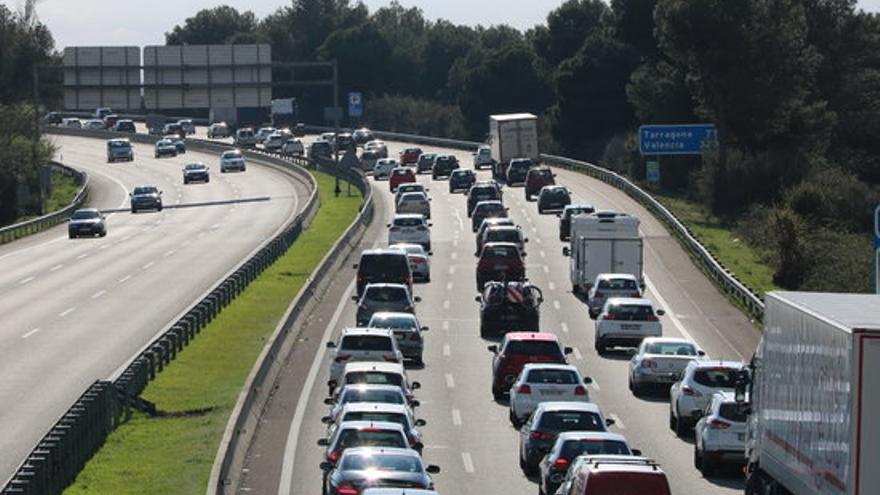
410, 115
837, 262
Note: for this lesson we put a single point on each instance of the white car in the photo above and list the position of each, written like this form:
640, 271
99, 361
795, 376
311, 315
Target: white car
720, 434
187, 125
377, 411
362, 344
373, 373
264, 133
94, 124
232, 160
410, 228
356, 394
398, 491
625, 322
275, 141
419, 260
483, 157
661, 361
539, 382
699, 381
378, 146
293, 146
407, 330
218, 130
409, 187
245, 136
74, 123
608, 285
415, 202
383, 168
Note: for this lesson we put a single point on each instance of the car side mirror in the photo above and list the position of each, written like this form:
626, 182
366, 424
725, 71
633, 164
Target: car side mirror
327, 420
415, 385
388, 225
425, 328
432, 469
559, 215
609, 421
660, 312
493, 348
331, 345
701, 352
326, 466
430, 225
329, 401
421, 422
354, 298
525, 254
526, 239
568, 350
415, 403
430, 253
566, 251
478, 299
323, 442
418, 298
637, 452
588, 380
355, 266
331, 384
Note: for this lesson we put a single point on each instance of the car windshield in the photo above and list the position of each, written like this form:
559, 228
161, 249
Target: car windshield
120, 144
731, 412
366, 343
413, 197
409, 222
195, 166
384, 396
558, 421
483, 191
574, 448
390, 263
624, 284
542, 174
386, 294
552, 376
232, 154
382, 462
402, 171
165, 142
533, 348
373, 378
490, 251
716, 377
409, 188
145, 190
370, 437
386, 417
490, 208
503, 235
555, 193
84, 215
394, 323
671, 349
570, 212
633, 312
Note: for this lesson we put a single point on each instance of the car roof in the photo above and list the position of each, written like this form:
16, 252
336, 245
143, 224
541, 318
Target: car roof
382, 251
608, 276
592, 435
631, 301
621, 463
569, 406
373, 451
408, 215
503, 227
489, 201
393, 314
521, 336
381, 366
370, 386
718, 363
550, 366
367, 331
420, 194
500, 244
579, 206
374, 407
668, 340
385, 285
397, 491
90, 210
381, 425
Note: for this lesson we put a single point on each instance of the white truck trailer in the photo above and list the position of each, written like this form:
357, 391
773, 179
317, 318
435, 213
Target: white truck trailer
513, 135
813, 393
603, 242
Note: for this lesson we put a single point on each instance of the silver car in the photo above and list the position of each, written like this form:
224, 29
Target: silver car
407, 330
87, 221
419, 260
661, 361
384, 297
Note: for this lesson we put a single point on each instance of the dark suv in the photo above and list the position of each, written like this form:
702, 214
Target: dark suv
553, 198
443, 166
517, 170
500, 261
482, 191
518, 349
383, 266
537, 178
146, 198
509, 307
461, 179
426, 162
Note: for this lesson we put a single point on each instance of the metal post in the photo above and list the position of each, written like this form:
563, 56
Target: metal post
36, 137
336, 112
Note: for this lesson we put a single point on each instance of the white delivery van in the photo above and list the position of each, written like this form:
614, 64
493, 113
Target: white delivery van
603, 242
513, 135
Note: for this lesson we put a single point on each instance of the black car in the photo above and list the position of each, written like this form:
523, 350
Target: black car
565, 218
196, 172
383, 266
517, 170
362, 136
360, 468
426, 162
124, 126
87, 221
320, 149
553, 198
146, 198
482, 192
343, 142
52, 118
461, 179
509, 307
443, 166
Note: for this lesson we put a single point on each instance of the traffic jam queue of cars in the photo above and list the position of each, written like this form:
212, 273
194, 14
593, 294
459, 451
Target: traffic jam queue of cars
566, 442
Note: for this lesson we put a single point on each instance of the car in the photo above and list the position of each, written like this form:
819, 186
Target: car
102, 112
119, 149
400, 175
362, 136
377, 146
501, 262
187, 125
487, 224
369, 159
720, 434
343, 142
536, 178
482, 191
320, 149
407, 330
419, 260
383, 265
351, 434
502, 233
330, 137
165, 147
384, 297
263, 133
553, 199
377, 411
569, 446
565, 218
410, 156
275, 141
625, 322
360, 393
245, 137
293, 146
409, 187
362, 344
443, 166
72, 123
608, 285
232, 160
124, 125
518, 349
661, 361
52, 118
517, 170
700, 380
591, 474
373, 373
414, 202
218, 130
146, 198
383, 168
426, 162
110, 120
509, 307
483, 157
299, 130
196, 172
461, 180
397, 491
357, 470
538, 382
410, 228
87, 221
538, 434
486, 209
173, 128
94, 125
178, 141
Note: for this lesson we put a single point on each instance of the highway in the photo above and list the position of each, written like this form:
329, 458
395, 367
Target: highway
468, 434
75, 311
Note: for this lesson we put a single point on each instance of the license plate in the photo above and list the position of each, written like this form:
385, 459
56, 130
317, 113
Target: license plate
630, 326
508, 317
500, 267
551, 392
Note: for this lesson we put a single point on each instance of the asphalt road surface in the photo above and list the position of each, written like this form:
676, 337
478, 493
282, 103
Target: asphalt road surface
75, 310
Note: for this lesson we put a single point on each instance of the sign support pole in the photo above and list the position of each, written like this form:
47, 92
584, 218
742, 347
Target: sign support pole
336, 189
877, 250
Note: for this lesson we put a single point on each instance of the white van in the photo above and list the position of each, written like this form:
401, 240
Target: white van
245, 137
603, 242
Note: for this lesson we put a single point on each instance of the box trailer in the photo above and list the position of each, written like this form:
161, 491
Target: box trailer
513, 135
603, 242
813, 396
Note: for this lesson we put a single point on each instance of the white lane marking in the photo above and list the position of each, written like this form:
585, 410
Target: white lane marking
448, 285
30, 333
617, 422
26, 280
148, 265
452, 270
125, 238
445, 325
170, 253
450, 381
124, 279
447, 351
556, 305
98, 294
456, 417
529, 219
446, 304
546, 269
595, 385
577, 353
84, 255
66, 312
215, 226
454, 255
458, 218
542, 253
56, 268
551, 286
105, 246
468, 462
564, 327
535, 229
455, 243
538, 240
302, 402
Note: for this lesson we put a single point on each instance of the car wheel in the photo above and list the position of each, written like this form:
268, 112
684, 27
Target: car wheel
222, 170
513, 419
540, 211
600, 346
71, 235
185, 181
134, 210
707, 467
420, 360
160, 208
680, 426
484, 332
671, 416
207, 180
698, 461
497, 395
104, 234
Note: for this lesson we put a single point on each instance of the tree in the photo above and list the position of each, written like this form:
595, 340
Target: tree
445, 43
634, 25
297, 31
567, 28
24, 43
361, 50
217, 26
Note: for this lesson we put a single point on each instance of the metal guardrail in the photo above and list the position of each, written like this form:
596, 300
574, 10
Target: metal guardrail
77, 436
32, 226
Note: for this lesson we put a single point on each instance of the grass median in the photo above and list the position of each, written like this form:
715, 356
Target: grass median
62, 192
173, 454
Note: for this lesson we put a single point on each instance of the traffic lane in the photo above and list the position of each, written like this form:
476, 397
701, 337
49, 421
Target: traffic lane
152, 264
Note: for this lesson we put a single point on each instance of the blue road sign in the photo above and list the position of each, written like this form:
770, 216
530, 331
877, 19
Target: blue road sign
355, 105
877, 250
675, 139
652, 171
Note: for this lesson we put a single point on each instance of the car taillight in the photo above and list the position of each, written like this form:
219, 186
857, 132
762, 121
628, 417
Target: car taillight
343, 357
609, 316
541, 435
599, 294
652, 318
691, 392
717, 424
635, 294
649, 363
560, 464
395, 229
524, 389
346, 488
390, 359
333, 456
580, 390
362, 306
422, 228
408, 308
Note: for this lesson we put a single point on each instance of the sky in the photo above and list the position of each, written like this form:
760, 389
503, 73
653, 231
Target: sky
140, 23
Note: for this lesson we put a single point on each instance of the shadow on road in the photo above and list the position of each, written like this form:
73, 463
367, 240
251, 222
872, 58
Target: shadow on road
200, 204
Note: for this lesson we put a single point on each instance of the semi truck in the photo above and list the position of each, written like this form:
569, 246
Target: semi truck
513, 135
603, 242
812, 394
284, 112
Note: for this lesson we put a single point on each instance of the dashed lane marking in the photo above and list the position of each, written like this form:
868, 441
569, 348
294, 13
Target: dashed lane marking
450, 381
26, 280
564, 327
556, 305
148, 265
66, 312
468, 462
577, 354
447, 351
617, 422
30, 333
98, 294
456, 417
125, 279
56, 268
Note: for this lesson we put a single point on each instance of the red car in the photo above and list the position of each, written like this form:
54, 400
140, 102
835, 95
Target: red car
410, 155
401, 175
501, 262
518, 349
537, 178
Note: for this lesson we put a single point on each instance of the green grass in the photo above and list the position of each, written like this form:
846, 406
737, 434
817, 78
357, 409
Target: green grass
64, 189
736, 255
174, 455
